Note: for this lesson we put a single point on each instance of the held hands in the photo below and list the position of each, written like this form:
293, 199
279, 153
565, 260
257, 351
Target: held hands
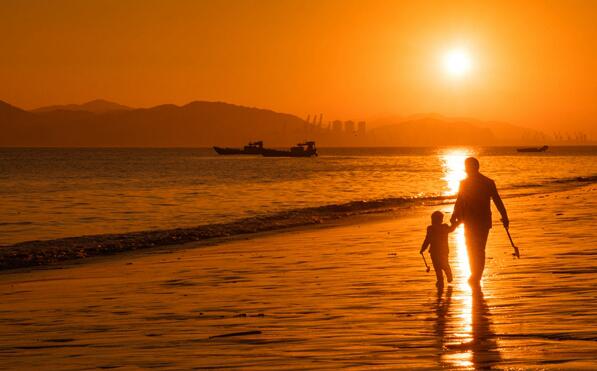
454, 223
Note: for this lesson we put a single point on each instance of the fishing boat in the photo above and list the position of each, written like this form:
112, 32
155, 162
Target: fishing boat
306, 149
533, 149
253, 148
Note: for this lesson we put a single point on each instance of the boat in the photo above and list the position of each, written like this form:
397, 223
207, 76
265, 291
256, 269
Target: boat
253, 148
533, 149
306, 149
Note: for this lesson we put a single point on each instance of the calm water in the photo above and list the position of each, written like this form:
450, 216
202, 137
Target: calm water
51, 193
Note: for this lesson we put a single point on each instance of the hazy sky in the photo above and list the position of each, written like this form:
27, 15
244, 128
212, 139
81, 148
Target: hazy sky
532, 63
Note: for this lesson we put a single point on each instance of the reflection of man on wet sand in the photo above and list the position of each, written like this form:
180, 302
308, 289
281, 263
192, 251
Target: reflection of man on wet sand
473, 208
483, 346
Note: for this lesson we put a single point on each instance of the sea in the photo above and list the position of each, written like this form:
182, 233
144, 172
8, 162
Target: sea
50, 193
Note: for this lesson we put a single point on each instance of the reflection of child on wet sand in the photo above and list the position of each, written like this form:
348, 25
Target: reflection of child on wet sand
437, 241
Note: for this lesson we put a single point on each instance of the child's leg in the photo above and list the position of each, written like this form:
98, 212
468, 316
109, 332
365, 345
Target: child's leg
437, 267
448, 270
438, 274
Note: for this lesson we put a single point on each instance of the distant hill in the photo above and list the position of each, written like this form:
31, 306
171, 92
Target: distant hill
204, 124
8, 112
94, 106
192, 125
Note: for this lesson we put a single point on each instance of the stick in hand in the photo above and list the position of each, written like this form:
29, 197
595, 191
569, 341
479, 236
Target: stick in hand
516, 252
424, 260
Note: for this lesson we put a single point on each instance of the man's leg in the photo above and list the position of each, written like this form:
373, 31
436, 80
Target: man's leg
476, 239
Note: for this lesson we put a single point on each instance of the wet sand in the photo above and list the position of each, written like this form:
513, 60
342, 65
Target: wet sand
350, 296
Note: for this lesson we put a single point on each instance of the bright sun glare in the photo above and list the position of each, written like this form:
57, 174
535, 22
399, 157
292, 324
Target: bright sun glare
457, 63
453, 166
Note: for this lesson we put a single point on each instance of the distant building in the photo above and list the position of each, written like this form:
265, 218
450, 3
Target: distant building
361, 128
349, 127
337, 126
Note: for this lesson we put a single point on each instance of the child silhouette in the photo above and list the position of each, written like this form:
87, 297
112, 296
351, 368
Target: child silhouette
437, 242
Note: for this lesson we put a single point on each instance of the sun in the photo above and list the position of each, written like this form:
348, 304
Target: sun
457, 63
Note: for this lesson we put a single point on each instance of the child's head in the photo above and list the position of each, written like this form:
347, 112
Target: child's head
437, 217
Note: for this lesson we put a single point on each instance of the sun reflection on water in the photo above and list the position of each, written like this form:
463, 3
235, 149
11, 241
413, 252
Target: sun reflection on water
453, 165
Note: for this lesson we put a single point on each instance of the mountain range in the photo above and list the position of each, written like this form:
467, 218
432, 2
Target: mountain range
101, 123
95, 106
191, 125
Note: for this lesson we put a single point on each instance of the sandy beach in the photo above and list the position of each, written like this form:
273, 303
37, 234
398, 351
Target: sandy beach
349, 296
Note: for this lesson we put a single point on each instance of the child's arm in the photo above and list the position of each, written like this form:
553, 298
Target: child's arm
426, 243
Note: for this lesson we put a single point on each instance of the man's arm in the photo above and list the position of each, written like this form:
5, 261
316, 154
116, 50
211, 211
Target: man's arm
497, 200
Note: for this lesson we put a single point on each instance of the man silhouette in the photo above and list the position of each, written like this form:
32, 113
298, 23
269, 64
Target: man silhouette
473, 208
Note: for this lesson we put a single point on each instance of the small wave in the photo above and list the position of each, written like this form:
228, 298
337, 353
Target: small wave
34, 253
581, 179
578, 180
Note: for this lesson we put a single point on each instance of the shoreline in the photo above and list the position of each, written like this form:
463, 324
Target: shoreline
51, 252
45, 253
350, 221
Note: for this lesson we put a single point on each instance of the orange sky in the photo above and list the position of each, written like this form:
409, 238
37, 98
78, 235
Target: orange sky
535, 63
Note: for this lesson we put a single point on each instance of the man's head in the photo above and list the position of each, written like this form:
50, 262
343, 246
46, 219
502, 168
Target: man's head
437, 217
471, 166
